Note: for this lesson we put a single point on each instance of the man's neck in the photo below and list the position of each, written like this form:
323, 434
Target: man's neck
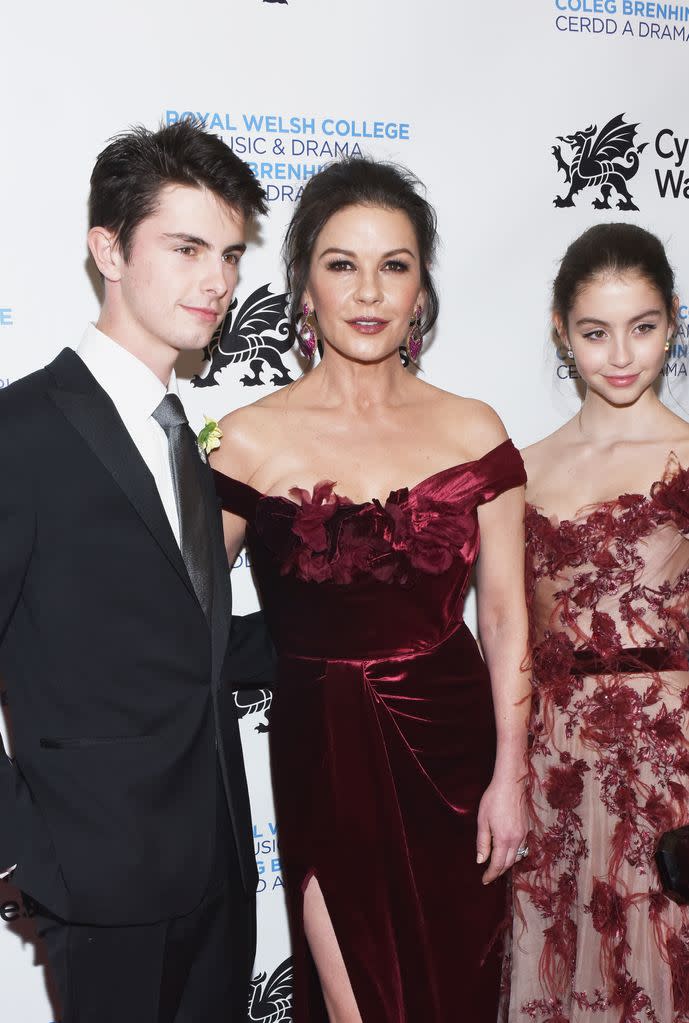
159, 358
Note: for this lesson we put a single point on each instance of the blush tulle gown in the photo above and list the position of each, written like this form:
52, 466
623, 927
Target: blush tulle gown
595, 940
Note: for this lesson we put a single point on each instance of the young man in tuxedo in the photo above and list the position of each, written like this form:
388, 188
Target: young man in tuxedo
125, 808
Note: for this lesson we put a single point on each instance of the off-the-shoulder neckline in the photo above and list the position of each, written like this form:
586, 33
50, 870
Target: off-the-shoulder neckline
374, 502
672, 468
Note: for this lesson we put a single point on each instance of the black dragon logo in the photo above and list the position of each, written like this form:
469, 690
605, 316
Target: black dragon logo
272, 1003
258, 334
605, 160
254, 701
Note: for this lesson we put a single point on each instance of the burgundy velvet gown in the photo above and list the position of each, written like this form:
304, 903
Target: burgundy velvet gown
595, 938
382, 735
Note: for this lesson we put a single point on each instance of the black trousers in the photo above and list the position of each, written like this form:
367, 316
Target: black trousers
191, 969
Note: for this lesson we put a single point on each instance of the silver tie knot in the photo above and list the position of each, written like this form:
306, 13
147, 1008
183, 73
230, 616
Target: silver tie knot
170, 413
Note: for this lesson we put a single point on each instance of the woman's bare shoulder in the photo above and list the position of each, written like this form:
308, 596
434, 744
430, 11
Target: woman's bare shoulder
468, 425
477, 423
249, 434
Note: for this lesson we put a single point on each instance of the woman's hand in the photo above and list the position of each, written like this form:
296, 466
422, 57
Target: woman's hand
502, 826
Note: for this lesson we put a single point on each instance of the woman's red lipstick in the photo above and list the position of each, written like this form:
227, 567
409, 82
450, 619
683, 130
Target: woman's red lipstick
368, 324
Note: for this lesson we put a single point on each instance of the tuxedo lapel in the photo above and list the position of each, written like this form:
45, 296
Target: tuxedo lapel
91, 412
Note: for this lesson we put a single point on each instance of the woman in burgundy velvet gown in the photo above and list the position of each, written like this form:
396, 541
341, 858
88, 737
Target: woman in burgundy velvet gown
383, 728
595, 939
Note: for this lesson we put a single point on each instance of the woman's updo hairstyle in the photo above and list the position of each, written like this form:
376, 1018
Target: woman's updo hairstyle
358, 181
614, 249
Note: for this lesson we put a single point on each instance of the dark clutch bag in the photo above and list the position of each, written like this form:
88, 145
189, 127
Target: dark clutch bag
672, 861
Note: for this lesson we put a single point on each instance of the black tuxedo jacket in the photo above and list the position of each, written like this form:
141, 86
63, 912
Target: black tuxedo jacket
119, 688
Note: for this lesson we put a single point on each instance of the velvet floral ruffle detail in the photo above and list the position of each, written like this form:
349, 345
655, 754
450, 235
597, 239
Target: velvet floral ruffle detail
334, 540
321, 536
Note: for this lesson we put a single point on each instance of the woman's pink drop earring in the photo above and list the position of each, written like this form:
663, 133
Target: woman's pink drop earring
415, 337
307, 334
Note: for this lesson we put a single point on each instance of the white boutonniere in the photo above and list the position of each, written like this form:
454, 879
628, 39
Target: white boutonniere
209, 436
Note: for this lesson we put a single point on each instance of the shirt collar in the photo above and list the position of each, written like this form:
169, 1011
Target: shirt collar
134, 388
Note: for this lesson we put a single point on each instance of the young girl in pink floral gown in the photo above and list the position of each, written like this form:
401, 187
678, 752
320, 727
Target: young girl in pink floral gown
595, 938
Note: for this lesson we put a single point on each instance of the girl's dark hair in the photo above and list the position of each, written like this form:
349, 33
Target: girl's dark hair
612, 249
359, 181
134, 167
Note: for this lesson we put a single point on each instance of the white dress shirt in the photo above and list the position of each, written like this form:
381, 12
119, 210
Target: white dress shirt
136, 392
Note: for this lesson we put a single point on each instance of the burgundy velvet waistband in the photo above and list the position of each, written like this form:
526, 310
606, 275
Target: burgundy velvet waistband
630, 661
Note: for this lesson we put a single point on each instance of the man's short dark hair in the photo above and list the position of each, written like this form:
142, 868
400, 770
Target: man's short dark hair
133, 168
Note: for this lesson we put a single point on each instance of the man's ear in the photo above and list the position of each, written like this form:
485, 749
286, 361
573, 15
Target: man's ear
106, 253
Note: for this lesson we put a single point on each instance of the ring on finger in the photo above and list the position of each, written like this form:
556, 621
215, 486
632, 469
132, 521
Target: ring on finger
522, 851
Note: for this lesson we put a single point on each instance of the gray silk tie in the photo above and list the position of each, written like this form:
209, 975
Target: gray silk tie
189, 498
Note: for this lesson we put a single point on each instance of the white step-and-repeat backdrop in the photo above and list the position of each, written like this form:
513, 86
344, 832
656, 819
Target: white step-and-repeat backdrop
489, 103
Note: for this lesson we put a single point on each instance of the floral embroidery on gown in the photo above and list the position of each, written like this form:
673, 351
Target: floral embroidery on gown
594, 937
382, 735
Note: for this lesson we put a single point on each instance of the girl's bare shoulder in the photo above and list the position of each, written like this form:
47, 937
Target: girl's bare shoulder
545, 455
